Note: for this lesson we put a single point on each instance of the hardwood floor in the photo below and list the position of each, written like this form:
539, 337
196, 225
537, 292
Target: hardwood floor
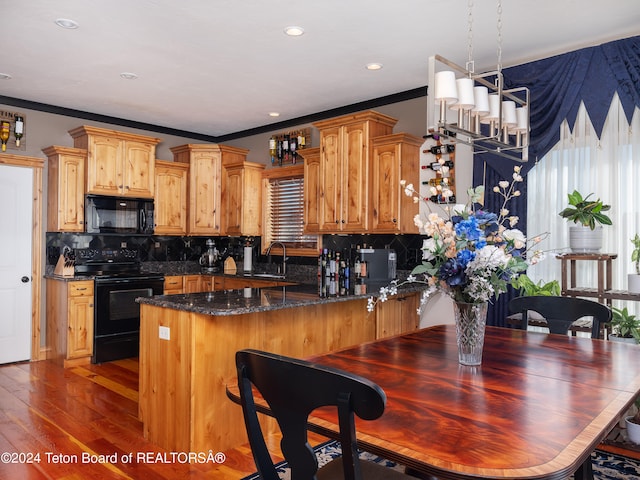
63, 420
55, 424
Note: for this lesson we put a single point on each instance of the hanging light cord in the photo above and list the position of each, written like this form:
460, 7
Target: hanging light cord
470, 63
499, 8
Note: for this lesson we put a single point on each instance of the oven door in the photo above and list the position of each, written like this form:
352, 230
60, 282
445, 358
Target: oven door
117, 316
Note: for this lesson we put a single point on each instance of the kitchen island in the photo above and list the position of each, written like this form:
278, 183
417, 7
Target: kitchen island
188, 344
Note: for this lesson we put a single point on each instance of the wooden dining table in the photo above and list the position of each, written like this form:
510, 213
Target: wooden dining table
535, 409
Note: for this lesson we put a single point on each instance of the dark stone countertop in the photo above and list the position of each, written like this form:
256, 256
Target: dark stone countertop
252, 300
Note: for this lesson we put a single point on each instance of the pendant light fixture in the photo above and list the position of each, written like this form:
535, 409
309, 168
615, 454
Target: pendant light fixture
475, 108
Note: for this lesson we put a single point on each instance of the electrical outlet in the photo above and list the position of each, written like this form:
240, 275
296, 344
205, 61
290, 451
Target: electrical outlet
157, 244
123, 244
164, 333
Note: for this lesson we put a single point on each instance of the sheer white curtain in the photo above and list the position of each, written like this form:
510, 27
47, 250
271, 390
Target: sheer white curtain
609, 168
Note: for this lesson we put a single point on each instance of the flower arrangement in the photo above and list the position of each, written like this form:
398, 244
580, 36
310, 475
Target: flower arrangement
472, 255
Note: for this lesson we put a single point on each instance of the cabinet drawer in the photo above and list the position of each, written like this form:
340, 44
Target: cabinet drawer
81, 289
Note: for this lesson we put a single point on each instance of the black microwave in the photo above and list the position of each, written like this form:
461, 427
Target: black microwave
103, 214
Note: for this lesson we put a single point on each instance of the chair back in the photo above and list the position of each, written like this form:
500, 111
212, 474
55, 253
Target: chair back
293, 389
561, 312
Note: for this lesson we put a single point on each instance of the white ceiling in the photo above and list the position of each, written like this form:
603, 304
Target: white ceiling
217, 67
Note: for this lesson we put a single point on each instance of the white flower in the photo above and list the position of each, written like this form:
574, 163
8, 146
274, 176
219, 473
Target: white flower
428, 247
408, 190
504, 184
516, 236
371, 304
513, 220
403, 182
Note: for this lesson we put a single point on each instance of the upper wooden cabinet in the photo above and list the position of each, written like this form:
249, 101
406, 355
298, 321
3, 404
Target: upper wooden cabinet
395, 157
171, 198
205, 183
312, 192
241, 197
65, 212
344, 172
118, 163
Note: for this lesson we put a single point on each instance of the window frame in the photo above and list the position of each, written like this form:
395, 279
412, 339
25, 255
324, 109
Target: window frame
282, 173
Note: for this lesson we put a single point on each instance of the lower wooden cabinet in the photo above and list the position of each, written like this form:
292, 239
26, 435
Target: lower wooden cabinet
70, 321
399, 314
173, 284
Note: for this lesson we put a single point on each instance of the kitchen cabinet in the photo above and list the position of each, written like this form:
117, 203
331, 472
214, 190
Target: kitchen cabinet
65, 205
399, 314
118, 163
311, 193
205, 183
171, 198
192, 283
344, 173
173, 284
395, 157
70, 309
241, 196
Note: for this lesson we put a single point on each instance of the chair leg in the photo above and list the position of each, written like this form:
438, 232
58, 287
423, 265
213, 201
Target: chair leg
585, 471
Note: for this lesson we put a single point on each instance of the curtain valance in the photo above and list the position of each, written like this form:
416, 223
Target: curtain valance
559, 84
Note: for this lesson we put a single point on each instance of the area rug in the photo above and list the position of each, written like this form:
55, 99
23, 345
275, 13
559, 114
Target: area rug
606, 466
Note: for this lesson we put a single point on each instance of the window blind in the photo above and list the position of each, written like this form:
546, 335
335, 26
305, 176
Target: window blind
286, 213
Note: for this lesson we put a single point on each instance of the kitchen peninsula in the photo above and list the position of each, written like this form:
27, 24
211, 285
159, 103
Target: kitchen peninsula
188, 344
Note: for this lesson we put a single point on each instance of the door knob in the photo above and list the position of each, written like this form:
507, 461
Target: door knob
24, 279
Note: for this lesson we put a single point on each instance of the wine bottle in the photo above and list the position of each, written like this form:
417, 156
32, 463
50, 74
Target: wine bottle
293, 147
437, 166
5, 132
285, 148
272, 149
18, 130
443, 149
279, 151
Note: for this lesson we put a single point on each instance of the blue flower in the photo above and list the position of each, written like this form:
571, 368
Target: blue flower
465, 256
452, 272
468, 229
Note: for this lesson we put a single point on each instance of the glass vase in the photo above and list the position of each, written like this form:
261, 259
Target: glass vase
471, 319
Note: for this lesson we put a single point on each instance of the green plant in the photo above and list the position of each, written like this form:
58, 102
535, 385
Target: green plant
635, 253
625, 324
527, 287
586, 212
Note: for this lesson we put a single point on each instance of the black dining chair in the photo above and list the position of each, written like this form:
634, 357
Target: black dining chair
294, 388
559, 314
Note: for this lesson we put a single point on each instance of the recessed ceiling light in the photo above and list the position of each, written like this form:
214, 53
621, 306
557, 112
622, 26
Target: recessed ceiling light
374, 66
67, 23
128, 75
5, 76
274, 114
294, 31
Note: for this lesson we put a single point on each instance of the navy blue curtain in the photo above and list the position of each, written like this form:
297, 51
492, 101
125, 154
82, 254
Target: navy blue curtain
557, 86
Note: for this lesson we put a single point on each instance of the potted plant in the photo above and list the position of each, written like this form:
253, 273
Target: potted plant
586, 235
625, 327
633, 279
527, 287
633, 423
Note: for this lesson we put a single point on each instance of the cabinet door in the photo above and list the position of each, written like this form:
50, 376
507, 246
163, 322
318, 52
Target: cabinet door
386, 189
312, 200
65, 211
138, 161
233, 182
354, 175
80, 320
399, 314
192, 284
171, 198
205, 196
329, 201
104, 165
80, 339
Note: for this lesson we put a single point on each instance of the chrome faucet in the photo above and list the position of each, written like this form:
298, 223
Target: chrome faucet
284, 256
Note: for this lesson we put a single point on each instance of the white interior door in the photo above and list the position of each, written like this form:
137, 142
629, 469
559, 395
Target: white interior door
16, 195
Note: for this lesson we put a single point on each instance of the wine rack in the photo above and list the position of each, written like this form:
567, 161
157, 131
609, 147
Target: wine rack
440, 158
